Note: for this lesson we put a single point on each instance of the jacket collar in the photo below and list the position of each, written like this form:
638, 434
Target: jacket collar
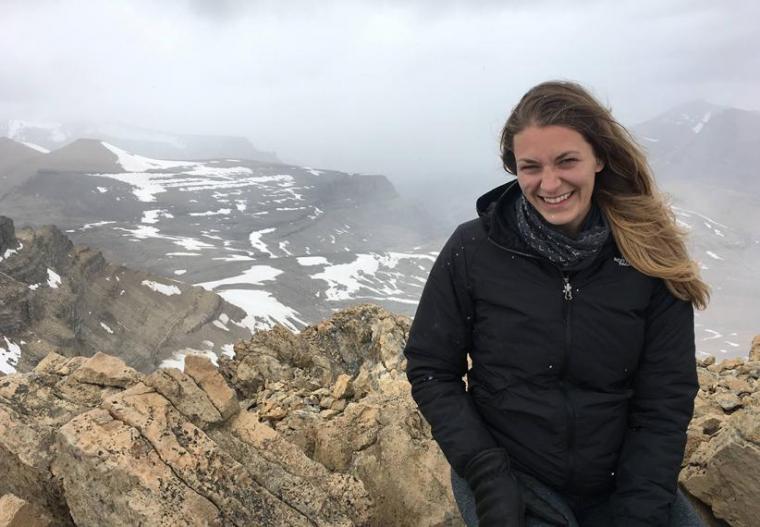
496, 211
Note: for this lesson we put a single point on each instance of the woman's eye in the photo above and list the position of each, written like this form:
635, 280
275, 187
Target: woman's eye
568, 160
527, 167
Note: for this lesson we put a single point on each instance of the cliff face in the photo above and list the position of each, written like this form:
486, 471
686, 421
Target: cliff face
315, 428
61, 297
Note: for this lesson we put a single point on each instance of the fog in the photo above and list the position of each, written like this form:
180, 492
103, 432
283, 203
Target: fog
416, 91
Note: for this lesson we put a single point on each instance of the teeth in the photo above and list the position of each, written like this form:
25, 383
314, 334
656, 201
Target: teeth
558, 199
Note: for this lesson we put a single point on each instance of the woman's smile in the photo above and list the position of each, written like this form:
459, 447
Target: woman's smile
557, 200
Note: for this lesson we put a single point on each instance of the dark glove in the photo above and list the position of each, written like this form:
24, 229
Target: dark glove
498, 496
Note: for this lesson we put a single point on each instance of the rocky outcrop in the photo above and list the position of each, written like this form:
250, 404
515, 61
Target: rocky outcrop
338, 390
66, 298
315, 428
90, 441
722, 461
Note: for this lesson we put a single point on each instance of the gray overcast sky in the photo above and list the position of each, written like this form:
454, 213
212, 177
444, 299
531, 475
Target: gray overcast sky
408, 89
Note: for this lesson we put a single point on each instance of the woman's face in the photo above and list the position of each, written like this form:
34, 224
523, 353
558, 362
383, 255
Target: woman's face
556, 168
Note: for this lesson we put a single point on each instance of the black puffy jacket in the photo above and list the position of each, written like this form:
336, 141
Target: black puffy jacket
587, 377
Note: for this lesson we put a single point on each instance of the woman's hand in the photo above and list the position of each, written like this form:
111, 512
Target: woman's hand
498, 496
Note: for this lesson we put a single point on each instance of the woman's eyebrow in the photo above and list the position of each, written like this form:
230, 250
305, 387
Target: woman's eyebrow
560, 156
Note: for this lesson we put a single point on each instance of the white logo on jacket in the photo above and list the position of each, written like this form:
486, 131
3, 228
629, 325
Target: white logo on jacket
621, 261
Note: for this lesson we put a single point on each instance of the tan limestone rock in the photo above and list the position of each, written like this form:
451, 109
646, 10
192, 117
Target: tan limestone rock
112, 476
736, 385
342, 387
205, 467
106, 370
754, 352
186, 396
706, 361
723, 471
206, 375
52, 363
16, 512
728, 401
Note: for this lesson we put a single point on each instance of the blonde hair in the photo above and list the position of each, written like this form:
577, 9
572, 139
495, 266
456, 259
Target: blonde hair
640, 219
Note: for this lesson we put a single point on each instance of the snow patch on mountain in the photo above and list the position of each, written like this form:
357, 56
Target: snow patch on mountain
263, 309
257, 243
10, 252
137, 163
54, 279
10, 353
254, 275
164, 289
36, 147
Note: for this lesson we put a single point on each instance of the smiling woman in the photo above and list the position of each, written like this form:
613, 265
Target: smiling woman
556, 168
573, 296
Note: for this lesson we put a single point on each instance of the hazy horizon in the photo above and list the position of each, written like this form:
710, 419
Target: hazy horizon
415, 92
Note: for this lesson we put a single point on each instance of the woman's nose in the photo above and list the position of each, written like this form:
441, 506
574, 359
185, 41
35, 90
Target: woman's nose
550, 180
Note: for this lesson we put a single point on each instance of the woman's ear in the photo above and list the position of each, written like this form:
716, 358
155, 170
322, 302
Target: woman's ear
599, 165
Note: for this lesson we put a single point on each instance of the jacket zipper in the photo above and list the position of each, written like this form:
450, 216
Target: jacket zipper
567, 294
567, 291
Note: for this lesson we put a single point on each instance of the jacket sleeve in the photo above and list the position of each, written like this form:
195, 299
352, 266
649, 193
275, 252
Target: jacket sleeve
665, 385
436, 353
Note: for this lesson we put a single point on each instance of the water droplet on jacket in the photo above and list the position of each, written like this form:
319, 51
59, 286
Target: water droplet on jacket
551, 366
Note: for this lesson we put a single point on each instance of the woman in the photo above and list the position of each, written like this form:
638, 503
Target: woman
572, 293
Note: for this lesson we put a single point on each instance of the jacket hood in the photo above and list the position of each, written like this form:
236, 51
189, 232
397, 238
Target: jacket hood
495, 211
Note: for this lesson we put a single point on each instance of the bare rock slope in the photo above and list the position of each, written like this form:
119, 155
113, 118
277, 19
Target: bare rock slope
316, 428
66, 298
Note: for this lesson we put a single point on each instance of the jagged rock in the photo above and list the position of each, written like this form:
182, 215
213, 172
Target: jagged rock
324, 427
15, 512
723, 471
105, 370
205, 374
186, 396
706, 361
361, 419
754, 353
725, 365
159, 452
722, 459
736, 385
68, 299
728, 401
342, 387
111, 475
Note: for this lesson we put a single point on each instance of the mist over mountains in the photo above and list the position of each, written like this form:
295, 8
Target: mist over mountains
291, 244
287, 244
47, 136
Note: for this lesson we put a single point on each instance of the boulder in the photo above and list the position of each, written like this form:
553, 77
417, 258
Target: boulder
722, 459
15, 512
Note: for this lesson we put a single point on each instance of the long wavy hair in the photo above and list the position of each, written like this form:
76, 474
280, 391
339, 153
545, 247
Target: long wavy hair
641, 220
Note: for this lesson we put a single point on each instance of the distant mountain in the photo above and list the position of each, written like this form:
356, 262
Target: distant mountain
16, 163
46, 136
699, 141
66, 298
287, 244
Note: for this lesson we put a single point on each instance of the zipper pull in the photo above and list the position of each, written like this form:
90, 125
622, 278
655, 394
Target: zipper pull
567, 289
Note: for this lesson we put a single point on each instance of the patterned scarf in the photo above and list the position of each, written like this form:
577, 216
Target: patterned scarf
557, 247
